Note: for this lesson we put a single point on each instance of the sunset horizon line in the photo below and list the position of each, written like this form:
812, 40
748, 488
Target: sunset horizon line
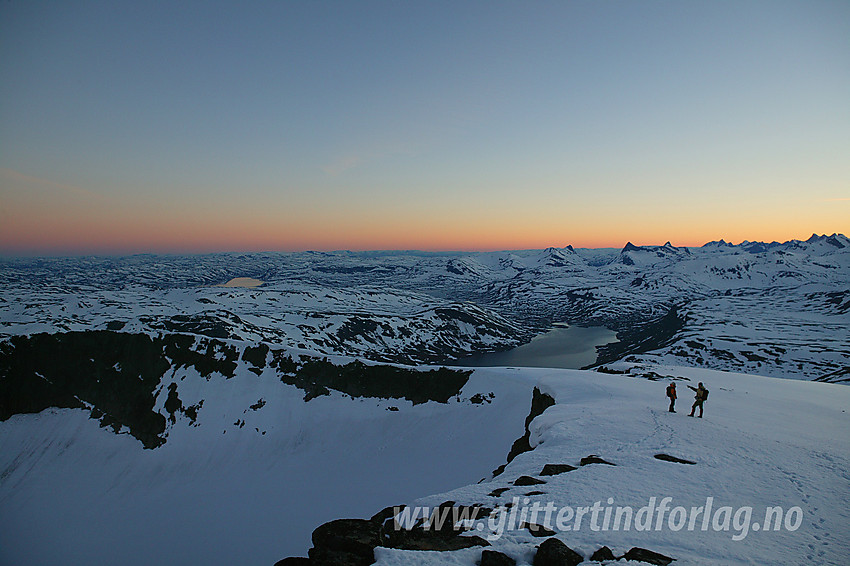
59, 253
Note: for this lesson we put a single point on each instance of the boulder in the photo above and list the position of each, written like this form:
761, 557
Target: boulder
528, 480
345, 542
538, 530
553, 552
648, 556
594, 459
603, 553
555, 469
669, 458
493, 558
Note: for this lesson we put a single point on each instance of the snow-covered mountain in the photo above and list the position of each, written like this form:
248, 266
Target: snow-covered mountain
777, 309
150, 415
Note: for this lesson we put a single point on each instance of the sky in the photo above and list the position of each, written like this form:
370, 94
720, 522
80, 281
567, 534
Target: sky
200, 126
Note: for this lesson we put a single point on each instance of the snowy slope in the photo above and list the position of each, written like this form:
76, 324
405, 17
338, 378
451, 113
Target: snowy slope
238, 485
220, 493
763, 443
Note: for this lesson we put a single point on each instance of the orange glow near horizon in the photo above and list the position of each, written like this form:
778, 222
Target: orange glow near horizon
175, 233
42, 218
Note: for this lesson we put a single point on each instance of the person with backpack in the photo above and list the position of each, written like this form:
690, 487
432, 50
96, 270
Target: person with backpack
699, 398
671, 393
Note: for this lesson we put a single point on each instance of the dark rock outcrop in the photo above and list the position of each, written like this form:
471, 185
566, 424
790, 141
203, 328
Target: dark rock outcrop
643, 337
594, 459
648, 556
442, 532
494, 558
537, 530
527, 480
118, 375
345, 542
669, 458
603, 553
553, 552
555, 469
539, 403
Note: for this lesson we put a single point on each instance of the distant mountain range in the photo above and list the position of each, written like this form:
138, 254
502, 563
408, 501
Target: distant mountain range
777, 309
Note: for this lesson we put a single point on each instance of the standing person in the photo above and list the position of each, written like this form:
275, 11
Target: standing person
671, 393
699, 398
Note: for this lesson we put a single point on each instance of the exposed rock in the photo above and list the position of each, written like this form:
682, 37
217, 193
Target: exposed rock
537, 530
644, 555
553, 552
354, 536
530, 493
527, 480
317, 376
493, 558
668, 458
555, 469
440, 533
386, 513
498, 491
594, 459
293, 561
643, 337
429, 539
603, 553
327, 557
118, 376
539, 403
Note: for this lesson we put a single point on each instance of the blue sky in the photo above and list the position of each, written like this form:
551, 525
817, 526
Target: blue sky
201, 126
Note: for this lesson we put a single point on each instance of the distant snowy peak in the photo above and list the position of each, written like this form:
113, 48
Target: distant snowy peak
815, 244
634, 255
837, 240
718, 244
560, 257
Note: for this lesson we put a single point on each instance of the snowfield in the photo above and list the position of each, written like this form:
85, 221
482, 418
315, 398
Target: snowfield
763, 443
219, 494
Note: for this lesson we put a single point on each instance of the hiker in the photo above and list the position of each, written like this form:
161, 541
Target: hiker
699, 398
671, 393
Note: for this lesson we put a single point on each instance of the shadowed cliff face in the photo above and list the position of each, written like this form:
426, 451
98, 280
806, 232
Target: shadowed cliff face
642, 338
117, 376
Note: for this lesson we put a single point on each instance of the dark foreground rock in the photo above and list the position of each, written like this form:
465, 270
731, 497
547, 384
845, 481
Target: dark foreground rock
603, 553
648, 556
348, 542
539, 403
594, 459
553, 552
556, 469
537, 530
528, 480
493, 558
669, 458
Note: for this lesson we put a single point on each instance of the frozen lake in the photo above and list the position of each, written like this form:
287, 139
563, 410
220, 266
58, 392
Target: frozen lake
570, 347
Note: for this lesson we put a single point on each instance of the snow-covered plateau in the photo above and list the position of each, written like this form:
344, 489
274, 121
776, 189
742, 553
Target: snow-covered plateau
155, 410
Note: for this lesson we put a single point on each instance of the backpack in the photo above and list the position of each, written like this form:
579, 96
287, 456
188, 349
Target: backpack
705, 395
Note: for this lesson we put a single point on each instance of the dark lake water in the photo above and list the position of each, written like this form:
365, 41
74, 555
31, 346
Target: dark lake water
570, 347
